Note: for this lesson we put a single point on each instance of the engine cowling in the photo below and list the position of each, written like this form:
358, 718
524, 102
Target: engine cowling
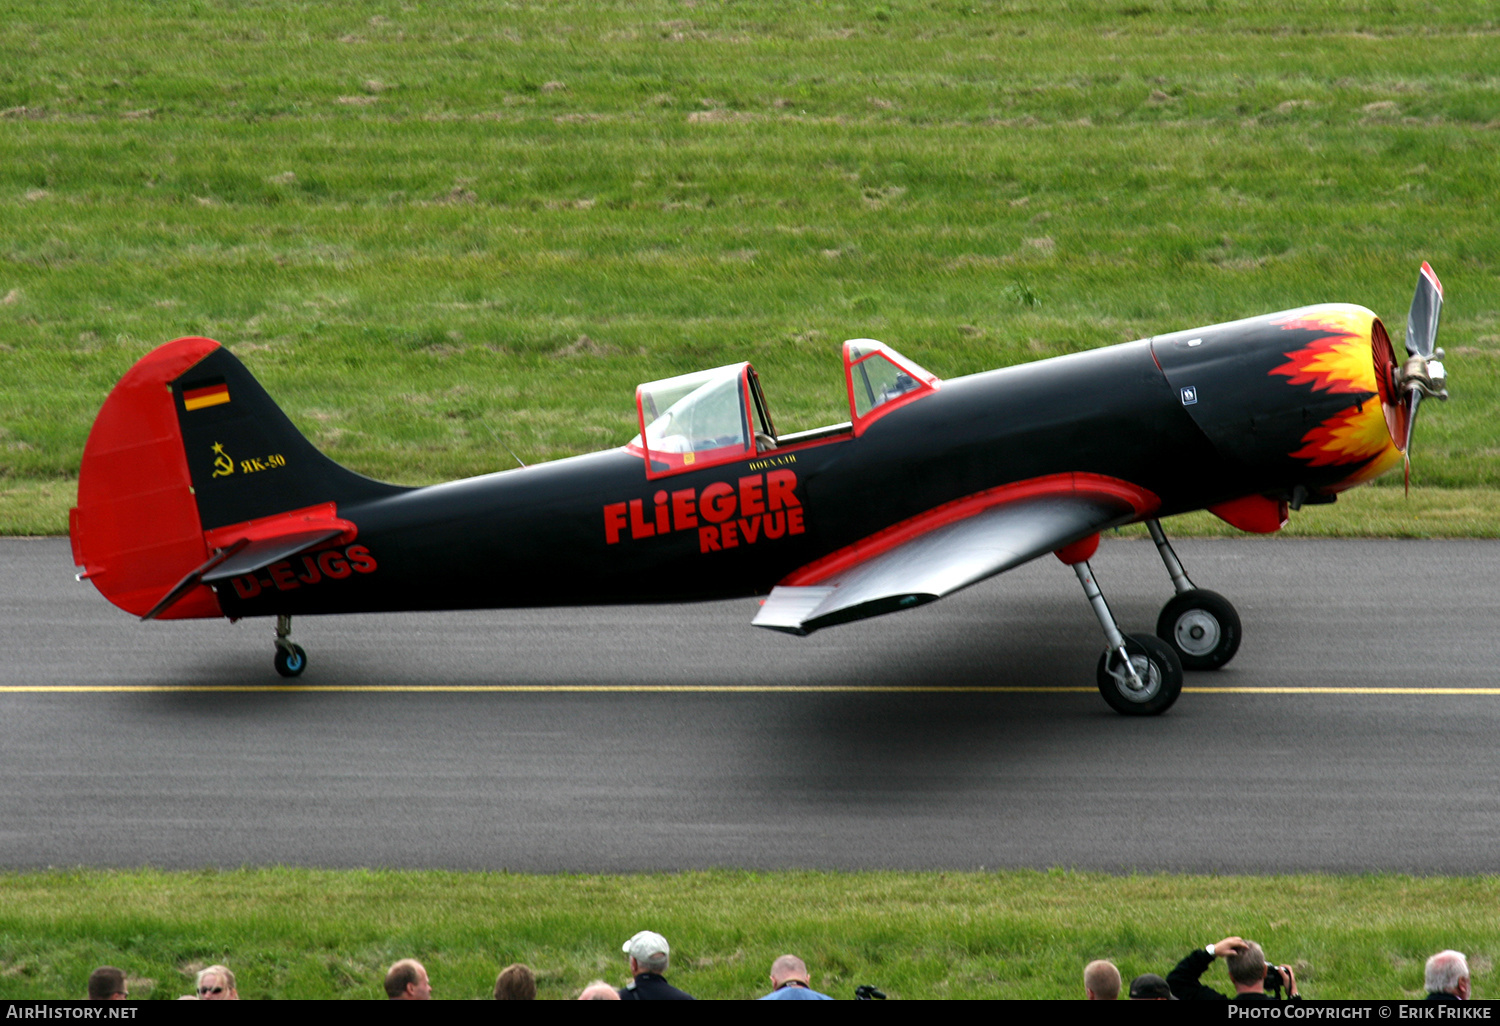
1303, 400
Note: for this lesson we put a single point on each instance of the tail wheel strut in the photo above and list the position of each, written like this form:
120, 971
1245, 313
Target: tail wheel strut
290, 660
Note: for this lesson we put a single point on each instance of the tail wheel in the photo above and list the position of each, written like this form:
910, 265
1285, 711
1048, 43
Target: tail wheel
290, 660
1156, 666
1202, 628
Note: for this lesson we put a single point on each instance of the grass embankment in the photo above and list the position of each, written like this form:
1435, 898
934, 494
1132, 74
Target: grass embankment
430, 229
311, 934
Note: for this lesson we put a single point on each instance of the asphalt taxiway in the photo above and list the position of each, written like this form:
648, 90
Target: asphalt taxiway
1357, 729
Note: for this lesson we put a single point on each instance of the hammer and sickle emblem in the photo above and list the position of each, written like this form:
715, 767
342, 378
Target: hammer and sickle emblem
223, 465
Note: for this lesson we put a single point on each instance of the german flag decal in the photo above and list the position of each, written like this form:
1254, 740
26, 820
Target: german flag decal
201, 396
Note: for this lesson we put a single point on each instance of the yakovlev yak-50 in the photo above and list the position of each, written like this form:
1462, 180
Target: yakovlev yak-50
197, 497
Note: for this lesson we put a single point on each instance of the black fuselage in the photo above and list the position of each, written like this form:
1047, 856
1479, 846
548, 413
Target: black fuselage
1193, 424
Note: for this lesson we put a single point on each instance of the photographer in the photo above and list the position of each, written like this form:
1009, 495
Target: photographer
1248, 971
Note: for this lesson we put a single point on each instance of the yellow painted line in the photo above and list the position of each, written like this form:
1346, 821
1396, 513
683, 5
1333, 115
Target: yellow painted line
1342, 691
538, 689
684, 689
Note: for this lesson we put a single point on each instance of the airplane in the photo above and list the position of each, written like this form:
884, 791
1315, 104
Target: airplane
198, 498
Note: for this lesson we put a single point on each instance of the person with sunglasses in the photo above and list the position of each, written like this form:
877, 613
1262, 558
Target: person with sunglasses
216, 983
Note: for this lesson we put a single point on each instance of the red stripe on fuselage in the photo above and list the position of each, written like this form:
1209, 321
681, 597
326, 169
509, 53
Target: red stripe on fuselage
1139, 499
324, 514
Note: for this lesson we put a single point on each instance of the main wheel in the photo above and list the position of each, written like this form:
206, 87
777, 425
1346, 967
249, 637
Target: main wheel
1202, 627
290, 661
1155, 663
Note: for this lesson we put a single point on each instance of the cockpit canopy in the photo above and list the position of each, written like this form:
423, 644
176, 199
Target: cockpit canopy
719, 416
879, 380
702, 419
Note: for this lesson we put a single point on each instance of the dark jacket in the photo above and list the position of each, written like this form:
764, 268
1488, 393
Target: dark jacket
651, 987
1184, 982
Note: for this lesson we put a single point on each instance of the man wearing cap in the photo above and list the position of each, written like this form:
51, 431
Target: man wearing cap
648, 960
1150, 987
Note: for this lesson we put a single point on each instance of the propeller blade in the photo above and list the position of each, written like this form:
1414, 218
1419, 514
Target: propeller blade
1422, 320
1412, 402
1423, 373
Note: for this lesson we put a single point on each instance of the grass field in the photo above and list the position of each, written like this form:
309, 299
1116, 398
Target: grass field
438, 230
310, 934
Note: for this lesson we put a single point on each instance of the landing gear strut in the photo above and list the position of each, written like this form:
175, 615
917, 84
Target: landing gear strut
1200, 625
1138, 674
290, 660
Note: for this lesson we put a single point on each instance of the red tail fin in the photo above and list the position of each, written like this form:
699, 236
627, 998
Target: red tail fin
192, 472
135, 530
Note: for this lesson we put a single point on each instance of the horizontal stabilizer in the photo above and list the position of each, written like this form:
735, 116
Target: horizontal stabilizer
245, 548
263, 553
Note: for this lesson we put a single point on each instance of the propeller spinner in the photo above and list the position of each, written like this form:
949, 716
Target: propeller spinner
1422, 375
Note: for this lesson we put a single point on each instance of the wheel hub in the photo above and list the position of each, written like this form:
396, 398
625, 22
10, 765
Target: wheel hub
1197, 632
1147, 671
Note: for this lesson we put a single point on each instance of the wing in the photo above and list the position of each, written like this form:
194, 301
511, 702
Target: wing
940, 552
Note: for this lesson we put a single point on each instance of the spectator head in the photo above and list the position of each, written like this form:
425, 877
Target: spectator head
216, 983
1448, 973
107, 983
1150, 987
1101, 981
789, 969
599, 991
648, 953
407, 981
1247, 968
515, 983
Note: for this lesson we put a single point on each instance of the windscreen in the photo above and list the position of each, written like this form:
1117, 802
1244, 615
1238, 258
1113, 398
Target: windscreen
694, 420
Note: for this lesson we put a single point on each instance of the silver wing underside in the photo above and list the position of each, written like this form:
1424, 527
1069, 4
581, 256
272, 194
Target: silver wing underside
942, 561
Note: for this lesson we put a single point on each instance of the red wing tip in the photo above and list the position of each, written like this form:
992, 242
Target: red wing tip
1431, 275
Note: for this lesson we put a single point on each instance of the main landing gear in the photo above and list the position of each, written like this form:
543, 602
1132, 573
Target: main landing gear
1138, 675
290, 660
1141, 675
1200, 626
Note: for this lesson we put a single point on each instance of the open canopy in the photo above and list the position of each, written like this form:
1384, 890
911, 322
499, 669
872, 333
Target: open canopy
880, 380
702, 419
718, 416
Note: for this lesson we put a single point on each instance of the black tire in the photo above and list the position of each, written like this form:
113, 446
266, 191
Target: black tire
290, 661
1202, 628
1156, 664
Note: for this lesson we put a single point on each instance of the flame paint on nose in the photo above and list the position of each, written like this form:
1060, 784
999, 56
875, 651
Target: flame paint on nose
1342, 361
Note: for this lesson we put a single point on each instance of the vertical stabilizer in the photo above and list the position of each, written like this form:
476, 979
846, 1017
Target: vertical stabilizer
187, 446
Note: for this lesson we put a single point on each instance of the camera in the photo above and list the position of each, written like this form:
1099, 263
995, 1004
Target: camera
1278, 978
